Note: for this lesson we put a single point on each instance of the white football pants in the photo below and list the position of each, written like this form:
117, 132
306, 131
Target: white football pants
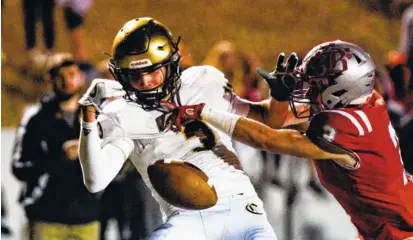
234, 217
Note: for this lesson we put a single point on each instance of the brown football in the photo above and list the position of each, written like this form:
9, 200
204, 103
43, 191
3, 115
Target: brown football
182, 184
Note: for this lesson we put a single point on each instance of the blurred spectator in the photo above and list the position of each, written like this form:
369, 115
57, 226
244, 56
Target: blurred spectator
223, 55
383, 84
32, 12
255, 89
74, 13
400, 97
187, 60
390, 8
404, 53
397, 98
56, 202
102, 69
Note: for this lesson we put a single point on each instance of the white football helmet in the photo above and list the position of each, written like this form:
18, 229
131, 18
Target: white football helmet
332, 75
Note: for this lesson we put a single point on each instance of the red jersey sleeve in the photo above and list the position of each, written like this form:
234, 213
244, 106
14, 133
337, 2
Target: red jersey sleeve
335, 131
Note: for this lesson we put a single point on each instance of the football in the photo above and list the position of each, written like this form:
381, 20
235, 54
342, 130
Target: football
182, 184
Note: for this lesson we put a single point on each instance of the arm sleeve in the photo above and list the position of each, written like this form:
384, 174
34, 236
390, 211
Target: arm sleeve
101, 164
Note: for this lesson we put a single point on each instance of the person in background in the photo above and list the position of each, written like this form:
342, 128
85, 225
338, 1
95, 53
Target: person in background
45, 159
255, 88
74, 14
398, 97
33, 11
102, 69
400, 64
225, 57
187, 60
404, 53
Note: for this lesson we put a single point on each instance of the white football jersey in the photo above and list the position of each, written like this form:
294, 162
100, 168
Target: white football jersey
212, 152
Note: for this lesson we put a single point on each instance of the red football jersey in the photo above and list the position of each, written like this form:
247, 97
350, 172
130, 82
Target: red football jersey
376, 192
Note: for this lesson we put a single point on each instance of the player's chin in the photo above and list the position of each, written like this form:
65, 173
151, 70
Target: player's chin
182, 184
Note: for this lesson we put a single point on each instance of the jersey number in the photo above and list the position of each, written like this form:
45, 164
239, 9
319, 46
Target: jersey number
203, 132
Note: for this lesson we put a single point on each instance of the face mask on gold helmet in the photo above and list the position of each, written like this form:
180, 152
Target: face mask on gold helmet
142, 46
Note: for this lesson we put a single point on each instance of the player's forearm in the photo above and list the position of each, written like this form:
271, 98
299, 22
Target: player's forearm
99, 165
283, 141
262, 137
248, 131
269, 112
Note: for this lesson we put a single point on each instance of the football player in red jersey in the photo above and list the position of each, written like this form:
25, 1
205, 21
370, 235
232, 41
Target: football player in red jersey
346, 115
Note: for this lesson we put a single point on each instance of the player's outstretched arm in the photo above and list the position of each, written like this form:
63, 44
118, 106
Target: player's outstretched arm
260, 136
100, 165
283, 141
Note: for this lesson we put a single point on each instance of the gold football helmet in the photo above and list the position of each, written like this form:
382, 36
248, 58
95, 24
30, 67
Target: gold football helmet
142, 46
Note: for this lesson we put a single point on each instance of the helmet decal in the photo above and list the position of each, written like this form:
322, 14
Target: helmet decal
140, 63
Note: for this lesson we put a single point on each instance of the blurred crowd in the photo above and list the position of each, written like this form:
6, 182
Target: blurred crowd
57, 204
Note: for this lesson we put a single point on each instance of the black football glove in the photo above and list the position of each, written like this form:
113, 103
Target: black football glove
281, 81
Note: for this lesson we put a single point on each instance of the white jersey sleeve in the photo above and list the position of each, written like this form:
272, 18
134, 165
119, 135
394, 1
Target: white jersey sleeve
102, 160
214, 89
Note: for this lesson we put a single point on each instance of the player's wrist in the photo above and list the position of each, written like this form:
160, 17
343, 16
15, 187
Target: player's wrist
224, 121
88, 114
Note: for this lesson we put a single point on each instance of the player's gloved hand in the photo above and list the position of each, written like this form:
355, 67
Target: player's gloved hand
99, 91
281, 81
187, 114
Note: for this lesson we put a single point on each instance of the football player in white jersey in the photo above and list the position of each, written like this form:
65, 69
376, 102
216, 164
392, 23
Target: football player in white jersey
134, 123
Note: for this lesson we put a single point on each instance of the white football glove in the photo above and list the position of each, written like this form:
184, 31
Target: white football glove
99, 91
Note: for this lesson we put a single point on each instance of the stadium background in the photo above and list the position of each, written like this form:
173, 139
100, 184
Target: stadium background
263, 27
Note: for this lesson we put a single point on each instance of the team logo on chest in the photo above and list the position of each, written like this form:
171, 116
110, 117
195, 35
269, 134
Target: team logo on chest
254, 209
